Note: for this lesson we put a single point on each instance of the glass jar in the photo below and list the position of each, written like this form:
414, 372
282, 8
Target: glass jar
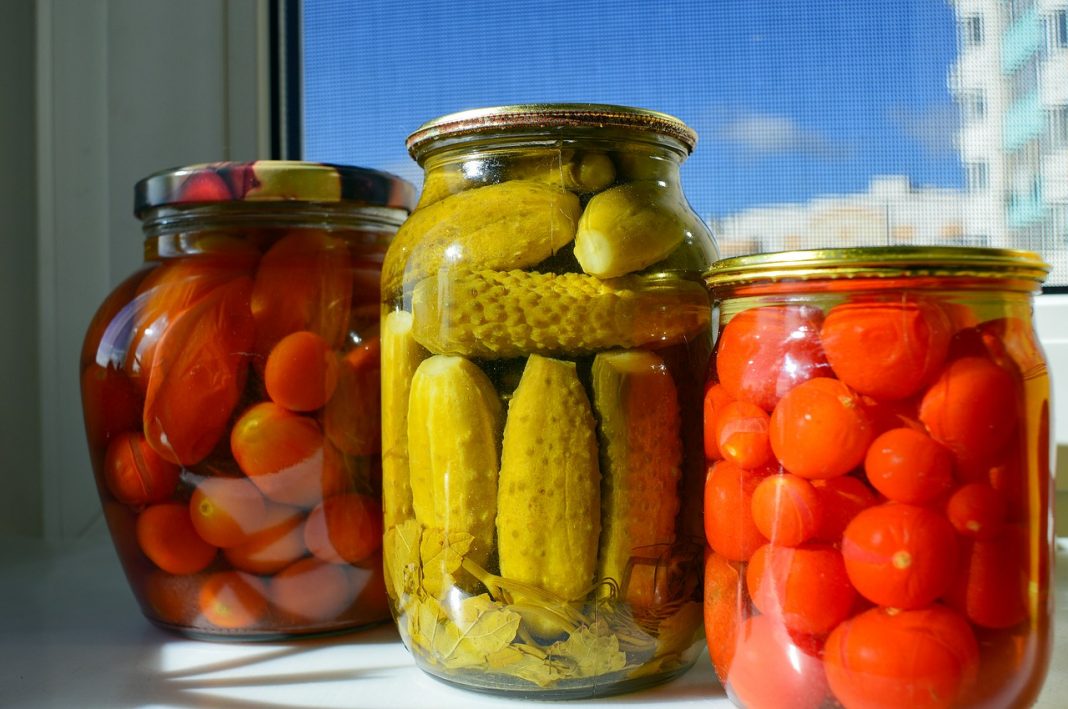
877, 506
545, 335
231, 401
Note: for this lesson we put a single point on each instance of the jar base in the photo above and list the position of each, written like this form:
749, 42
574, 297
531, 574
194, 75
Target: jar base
221, 635
576, 689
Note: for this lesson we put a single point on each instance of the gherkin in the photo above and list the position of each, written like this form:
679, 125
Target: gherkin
496, 314
548, 518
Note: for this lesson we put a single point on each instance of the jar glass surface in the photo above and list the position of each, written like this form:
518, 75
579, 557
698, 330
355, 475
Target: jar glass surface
545, 335
877, 507
230, 393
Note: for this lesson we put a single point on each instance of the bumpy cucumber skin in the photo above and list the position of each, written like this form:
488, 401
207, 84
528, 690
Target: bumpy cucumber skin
401, 356
495, 314
511, 224
641, 453
548, 520
454, 433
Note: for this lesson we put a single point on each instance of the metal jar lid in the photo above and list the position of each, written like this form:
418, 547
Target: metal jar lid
878, 262
272, 181
548, 115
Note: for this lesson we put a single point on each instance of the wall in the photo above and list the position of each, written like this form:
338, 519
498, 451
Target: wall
117, 89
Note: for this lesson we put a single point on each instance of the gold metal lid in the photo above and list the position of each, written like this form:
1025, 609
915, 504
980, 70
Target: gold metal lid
548, 115
878, 262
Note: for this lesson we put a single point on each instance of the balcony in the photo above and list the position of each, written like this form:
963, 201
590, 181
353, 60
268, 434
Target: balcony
1024, 121
1020, 41
1026, 209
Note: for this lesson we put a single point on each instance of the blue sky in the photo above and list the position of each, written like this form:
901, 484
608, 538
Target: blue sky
791, 98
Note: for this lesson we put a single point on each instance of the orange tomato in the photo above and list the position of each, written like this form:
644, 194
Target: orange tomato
841, 499
765, 352
301, 372
233, 599
909, 466
175, 285
353, 416
729, 526
883, 659
886, 350
976, 510
899, 555
716, 399
344, 529
770, 670
971, 409
226, 511
197, 374
284, 454
725, 608
166, 535
171, 600
805, 588
279, 542
135, 474
819, 429
991, 588
1009, 479
786, 509
303, 283
311, 591
110, 405
742, 434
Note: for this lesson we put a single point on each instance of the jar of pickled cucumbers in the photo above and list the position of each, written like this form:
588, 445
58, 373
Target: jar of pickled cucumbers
231, 398
877, 506
545, 336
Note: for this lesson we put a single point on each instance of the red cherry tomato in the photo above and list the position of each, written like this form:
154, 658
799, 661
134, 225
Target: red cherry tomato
716, 399
353, 415
227, 511
805, 588
909, 466
786, 509
899, 555
135, 474
820, 430
976, 510
278, 544
311, 591
841, 499
742, 434
301, 372
886, 658
111, 405
886, 350
729, 527
166, 535
770, 670
765, 352
233, 599
991, 587
971, 409
725, 608
344, 529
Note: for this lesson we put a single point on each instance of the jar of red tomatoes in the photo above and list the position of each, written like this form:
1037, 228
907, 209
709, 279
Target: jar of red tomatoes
231, 398
877, 504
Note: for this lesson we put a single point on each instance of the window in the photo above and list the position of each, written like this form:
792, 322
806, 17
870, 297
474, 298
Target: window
973, 105
1058, 30
1058, 127
1024, 81
978, 176
1018, 8
971, 34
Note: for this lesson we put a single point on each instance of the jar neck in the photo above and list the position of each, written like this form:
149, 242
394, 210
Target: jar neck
187, 230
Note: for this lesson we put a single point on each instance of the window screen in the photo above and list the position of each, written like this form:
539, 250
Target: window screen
821, 124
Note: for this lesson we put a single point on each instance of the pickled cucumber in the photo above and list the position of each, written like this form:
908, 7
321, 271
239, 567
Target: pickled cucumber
581, 172
495, 314
641, 453
549, 500
401, 355
512, 224
631, 226
454, 433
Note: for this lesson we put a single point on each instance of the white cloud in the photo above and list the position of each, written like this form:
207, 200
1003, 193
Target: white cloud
934, 127
766, 134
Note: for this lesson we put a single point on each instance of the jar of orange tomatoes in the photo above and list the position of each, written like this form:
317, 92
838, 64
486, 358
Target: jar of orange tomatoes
231, 398
877, 504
